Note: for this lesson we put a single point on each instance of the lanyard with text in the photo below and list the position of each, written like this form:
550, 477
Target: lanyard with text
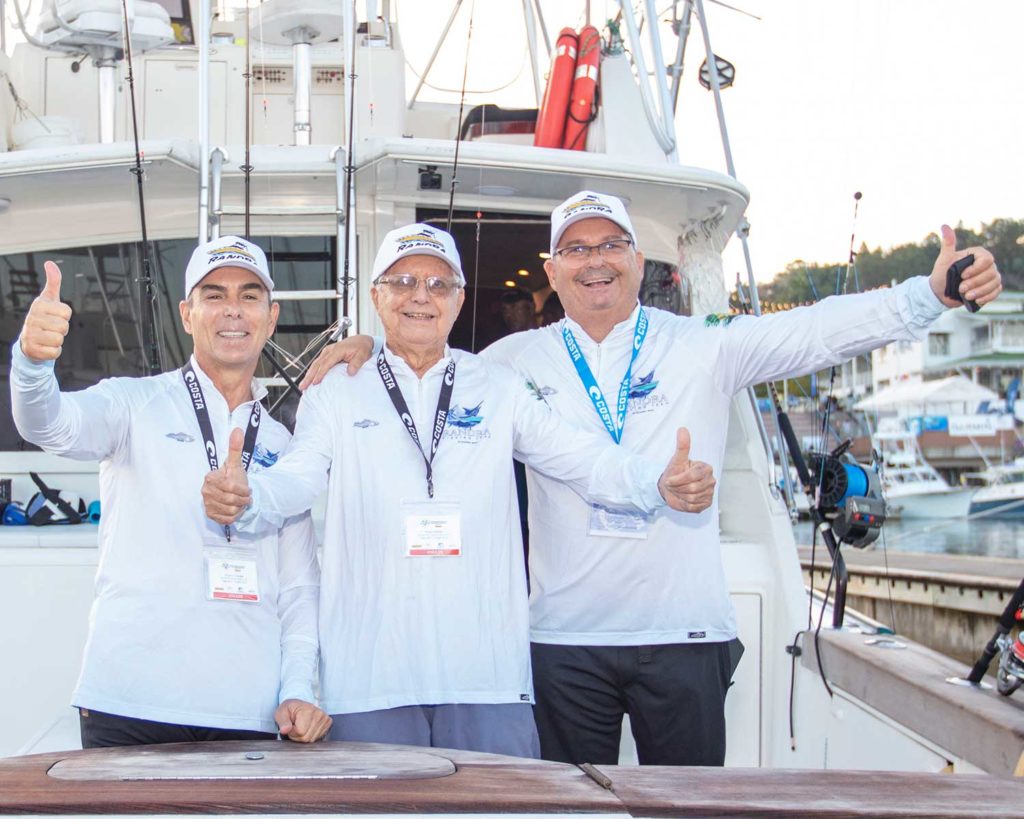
195, 392
613, 425
402, 408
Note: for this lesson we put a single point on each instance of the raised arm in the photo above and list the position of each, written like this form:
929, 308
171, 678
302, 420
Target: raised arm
354, 351
807, 339
85, 425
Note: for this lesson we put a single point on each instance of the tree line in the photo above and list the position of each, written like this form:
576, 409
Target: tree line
803, 282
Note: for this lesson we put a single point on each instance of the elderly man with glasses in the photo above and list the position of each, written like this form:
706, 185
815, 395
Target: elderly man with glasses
424, 625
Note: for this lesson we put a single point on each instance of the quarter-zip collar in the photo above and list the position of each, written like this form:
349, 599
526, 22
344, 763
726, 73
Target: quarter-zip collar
621, 330
399, 367
257, 390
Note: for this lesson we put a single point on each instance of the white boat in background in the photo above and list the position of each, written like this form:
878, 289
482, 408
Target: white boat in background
911, 486
999, 492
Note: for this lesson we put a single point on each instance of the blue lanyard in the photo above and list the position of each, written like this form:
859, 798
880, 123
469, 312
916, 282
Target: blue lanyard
617, 424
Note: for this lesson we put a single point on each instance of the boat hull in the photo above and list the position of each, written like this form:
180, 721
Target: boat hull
1007, 508
931, 505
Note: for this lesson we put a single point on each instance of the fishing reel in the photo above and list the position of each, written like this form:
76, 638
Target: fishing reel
849, 495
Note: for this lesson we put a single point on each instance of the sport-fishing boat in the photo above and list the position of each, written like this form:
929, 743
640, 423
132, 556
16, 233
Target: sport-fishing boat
290, 121
999, 490
913, 488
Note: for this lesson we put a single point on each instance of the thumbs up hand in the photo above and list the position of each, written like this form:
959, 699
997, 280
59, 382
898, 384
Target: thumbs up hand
980, 282
686, 486
226, 491
47, 322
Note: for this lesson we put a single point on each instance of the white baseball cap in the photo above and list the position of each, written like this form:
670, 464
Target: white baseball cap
417, 240
227, 251
589, 205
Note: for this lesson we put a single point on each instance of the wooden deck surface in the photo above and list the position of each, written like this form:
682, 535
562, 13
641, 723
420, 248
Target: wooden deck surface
485, 784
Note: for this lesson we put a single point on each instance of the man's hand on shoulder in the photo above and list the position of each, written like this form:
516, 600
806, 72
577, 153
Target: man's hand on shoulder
47, 322
686, 486
301, 721
226, 491
354, 351
980, 282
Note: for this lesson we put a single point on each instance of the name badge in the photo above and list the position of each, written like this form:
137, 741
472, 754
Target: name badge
606, 522
432, 528
231, 574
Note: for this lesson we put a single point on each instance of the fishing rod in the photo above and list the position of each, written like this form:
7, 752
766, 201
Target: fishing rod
147, 291
458, 131
247, 166
455, 181
350, 180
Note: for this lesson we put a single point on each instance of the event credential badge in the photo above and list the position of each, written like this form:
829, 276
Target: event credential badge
231, 573
432, 528
607, 522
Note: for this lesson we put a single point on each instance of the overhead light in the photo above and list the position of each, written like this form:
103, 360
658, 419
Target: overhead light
544, 255
5, 203
522, 272
510, 283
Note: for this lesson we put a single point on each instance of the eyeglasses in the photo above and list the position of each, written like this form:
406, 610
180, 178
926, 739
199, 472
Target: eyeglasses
407, 283
577, 255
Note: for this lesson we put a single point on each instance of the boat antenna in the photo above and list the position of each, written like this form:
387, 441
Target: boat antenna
247, 166
458, 130
147, 292
850, 260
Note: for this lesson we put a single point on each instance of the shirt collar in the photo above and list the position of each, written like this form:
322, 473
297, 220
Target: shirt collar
623, 329
259, 392
398, 364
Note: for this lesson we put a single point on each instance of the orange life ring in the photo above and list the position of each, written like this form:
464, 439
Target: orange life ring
584, 90
551, 117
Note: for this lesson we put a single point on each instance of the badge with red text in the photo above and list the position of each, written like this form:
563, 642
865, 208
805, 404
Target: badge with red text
231, 574
432, 528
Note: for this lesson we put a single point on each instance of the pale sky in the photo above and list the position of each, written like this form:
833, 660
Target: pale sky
918, 104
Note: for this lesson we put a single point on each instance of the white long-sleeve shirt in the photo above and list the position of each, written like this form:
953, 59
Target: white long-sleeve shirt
157, 648
671, 588
398, 630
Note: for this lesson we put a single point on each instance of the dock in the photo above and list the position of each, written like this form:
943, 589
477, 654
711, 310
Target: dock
948, 602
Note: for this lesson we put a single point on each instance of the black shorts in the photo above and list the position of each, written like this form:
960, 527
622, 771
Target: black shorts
101, 730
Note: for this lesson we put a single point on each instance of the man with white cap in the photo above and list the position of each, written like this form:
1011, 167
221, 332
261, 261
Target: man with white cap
197, 632
644, 625
424, 628
631, 613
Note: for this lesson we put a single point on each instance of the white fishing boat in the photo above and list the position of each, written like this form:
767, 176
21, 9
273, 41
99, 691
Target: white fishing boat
999, 490
912, 487
338, 153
